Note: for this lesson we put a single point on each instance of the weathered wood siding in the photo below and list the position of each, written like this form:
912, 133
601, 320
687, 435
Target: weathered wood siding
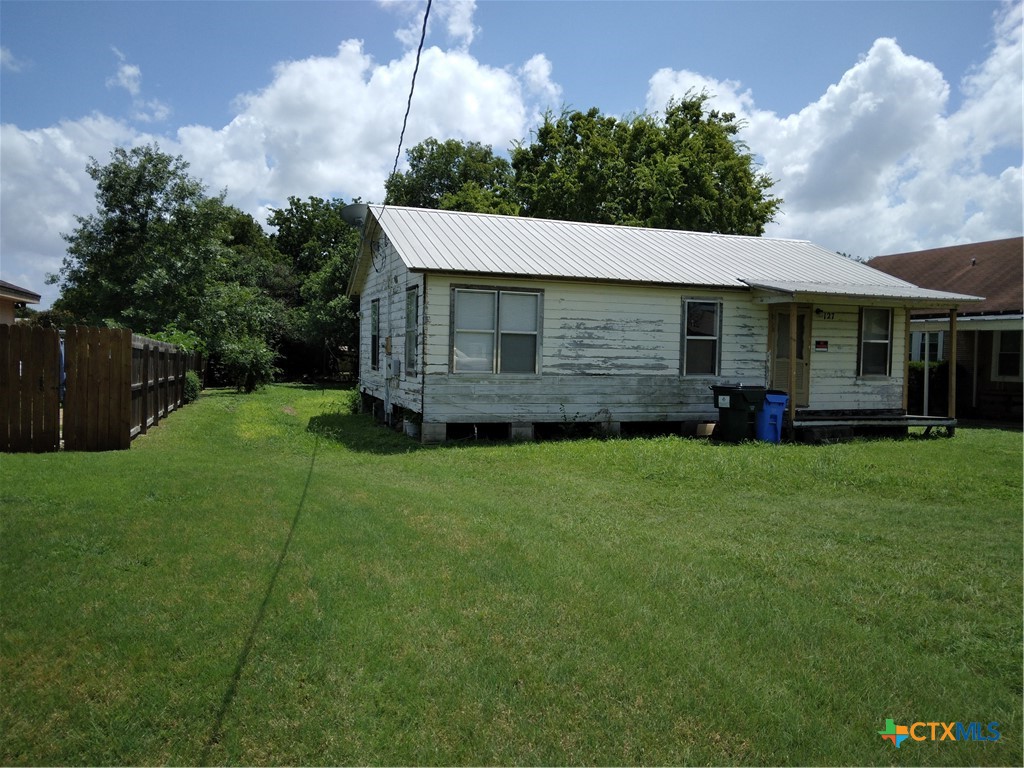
834, 381
608, 353
389, 283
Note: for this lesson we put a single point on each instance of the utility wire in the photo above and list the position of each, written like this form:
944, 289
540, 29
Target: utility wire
412, 87
405, 122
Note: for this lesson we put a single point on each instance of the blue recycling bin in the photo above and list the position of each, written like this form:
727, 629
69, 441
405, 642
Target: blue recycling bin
768, 420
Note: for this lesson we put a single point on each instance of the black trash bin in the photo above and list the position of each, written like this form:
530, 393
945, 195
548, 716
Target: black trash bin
737, 406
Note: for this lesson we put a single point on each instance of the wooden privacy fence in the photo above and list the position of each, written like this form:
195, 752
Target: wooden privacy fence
29, 388
116, 386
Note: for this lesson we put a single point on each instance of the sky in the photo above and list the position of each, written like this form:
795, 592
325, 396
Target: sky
887, 126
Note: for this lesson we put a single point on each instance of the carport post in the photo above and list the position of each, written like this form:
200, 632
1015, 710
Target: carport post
792, 362
952, 363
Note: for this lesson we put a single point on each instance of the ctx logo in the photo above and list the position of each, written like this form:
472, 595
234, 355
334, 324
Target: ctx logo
897, 734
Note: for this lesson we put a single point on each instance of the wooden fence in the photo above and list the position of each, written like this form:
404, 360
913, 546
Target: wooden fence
116, 386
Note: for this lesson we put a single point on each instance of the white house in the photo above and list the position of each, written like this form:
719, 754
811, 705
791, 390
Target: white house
12, 296
482, 320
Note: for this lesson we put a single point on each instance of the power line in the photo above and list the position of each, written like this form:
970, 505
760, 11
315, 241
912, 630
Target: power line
405, 122
412, 87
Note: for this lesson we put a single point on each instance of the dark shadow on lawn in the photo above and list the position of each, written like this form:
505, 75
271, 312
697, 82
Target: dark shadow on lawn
359, 432
217, 729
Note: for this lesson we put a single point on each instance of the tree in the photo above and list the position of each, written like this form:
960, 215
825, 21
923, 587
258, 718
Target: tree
321, 249
685, 171
143, 259
164, 259
454, 176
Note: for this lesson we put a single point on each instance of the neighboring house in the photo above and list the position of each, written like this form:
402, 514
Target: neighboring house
473, 320
989, 332
12, 296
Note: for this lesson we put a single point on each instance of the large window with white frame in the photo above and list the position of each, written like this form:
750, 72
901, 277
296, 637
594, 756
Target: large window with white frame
495, 331
875, 342
1007, 364
702, 331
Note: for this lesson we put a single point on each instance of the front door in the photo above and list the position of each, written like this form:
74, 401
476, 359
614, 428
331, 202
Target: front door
784, 352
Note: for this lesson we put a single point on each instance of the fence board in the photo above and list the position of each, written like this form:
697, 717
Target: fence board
6, 387
29, 398
117, 385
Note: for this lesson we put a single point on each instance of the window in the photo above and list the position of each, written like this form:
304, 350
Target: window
875, 341
1006, 356
412, 312
495, 331
375, 334
930, 342
701, 331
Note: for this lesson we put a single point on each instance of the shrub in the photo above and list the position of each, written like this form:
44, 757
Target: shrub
192, 387
247, 363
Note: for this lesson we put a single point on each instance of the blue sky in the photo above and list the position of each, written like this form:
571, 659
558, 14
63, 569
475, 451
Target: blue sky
888, 126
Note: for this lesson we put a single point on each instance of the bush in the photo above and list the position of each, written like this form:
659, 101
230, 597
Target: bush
192, 387
246, 363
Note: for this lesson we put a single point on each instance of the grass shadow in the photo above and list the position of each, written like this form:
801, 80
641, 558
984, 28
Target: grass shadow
359, 432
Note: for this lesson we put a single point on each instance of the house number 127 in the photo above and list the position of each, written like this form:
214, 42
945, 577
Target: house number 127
828, 315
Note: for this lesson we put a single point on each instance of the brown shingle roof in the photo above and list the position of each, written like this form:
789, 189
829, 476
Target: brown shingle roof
16, 292
994, 270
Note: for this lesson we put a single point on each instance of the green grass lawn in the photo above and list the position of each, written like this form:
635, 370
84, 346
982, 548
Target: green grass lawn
266, 579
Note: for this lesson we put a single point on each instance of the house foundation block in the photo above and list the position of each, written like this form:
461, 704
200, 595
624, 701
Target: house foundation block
521, 431
433, 432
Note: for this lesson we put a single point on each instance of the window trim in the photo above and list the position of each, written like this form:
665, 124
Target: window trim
684, 337
497, 333
997, 337
412, 329
861, 341
918, 339
375, 334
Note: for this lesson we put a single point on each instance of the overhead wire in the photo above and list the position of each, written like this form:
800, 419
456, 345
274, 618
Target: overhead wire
388, 287
405, 121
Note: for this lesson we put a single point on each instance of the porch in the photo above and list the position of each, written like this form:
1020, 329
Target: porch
812, 426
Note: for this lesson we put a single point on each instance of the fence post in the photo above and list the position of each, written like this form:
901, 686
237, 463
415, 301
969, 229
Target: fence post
121, 422
6, 388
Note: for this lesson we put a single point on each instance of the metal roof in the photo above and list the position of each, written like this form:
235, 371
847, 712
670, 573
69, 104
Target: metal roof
485, 244
909, 294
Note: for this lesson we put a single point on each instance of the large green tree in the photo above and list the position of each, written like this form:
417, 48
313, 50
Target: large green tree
143, 258
320, 247
686, 170
453, 175
163, 258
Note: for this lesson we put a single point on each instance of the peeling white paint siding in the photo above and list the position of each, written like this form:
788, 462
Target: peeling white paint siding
608, 352
834, 381
388, 281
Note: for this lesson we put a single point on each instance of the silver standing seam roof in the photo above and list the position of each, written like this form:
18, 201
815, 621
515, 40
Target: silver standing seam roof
514, 246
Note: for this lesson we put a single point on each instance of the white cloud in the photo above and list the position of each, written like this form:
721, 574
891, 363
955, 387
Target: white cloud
536, 75
44, 186
10, 62
325, 126
876, 164
128, 76
330, 125
456, 15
